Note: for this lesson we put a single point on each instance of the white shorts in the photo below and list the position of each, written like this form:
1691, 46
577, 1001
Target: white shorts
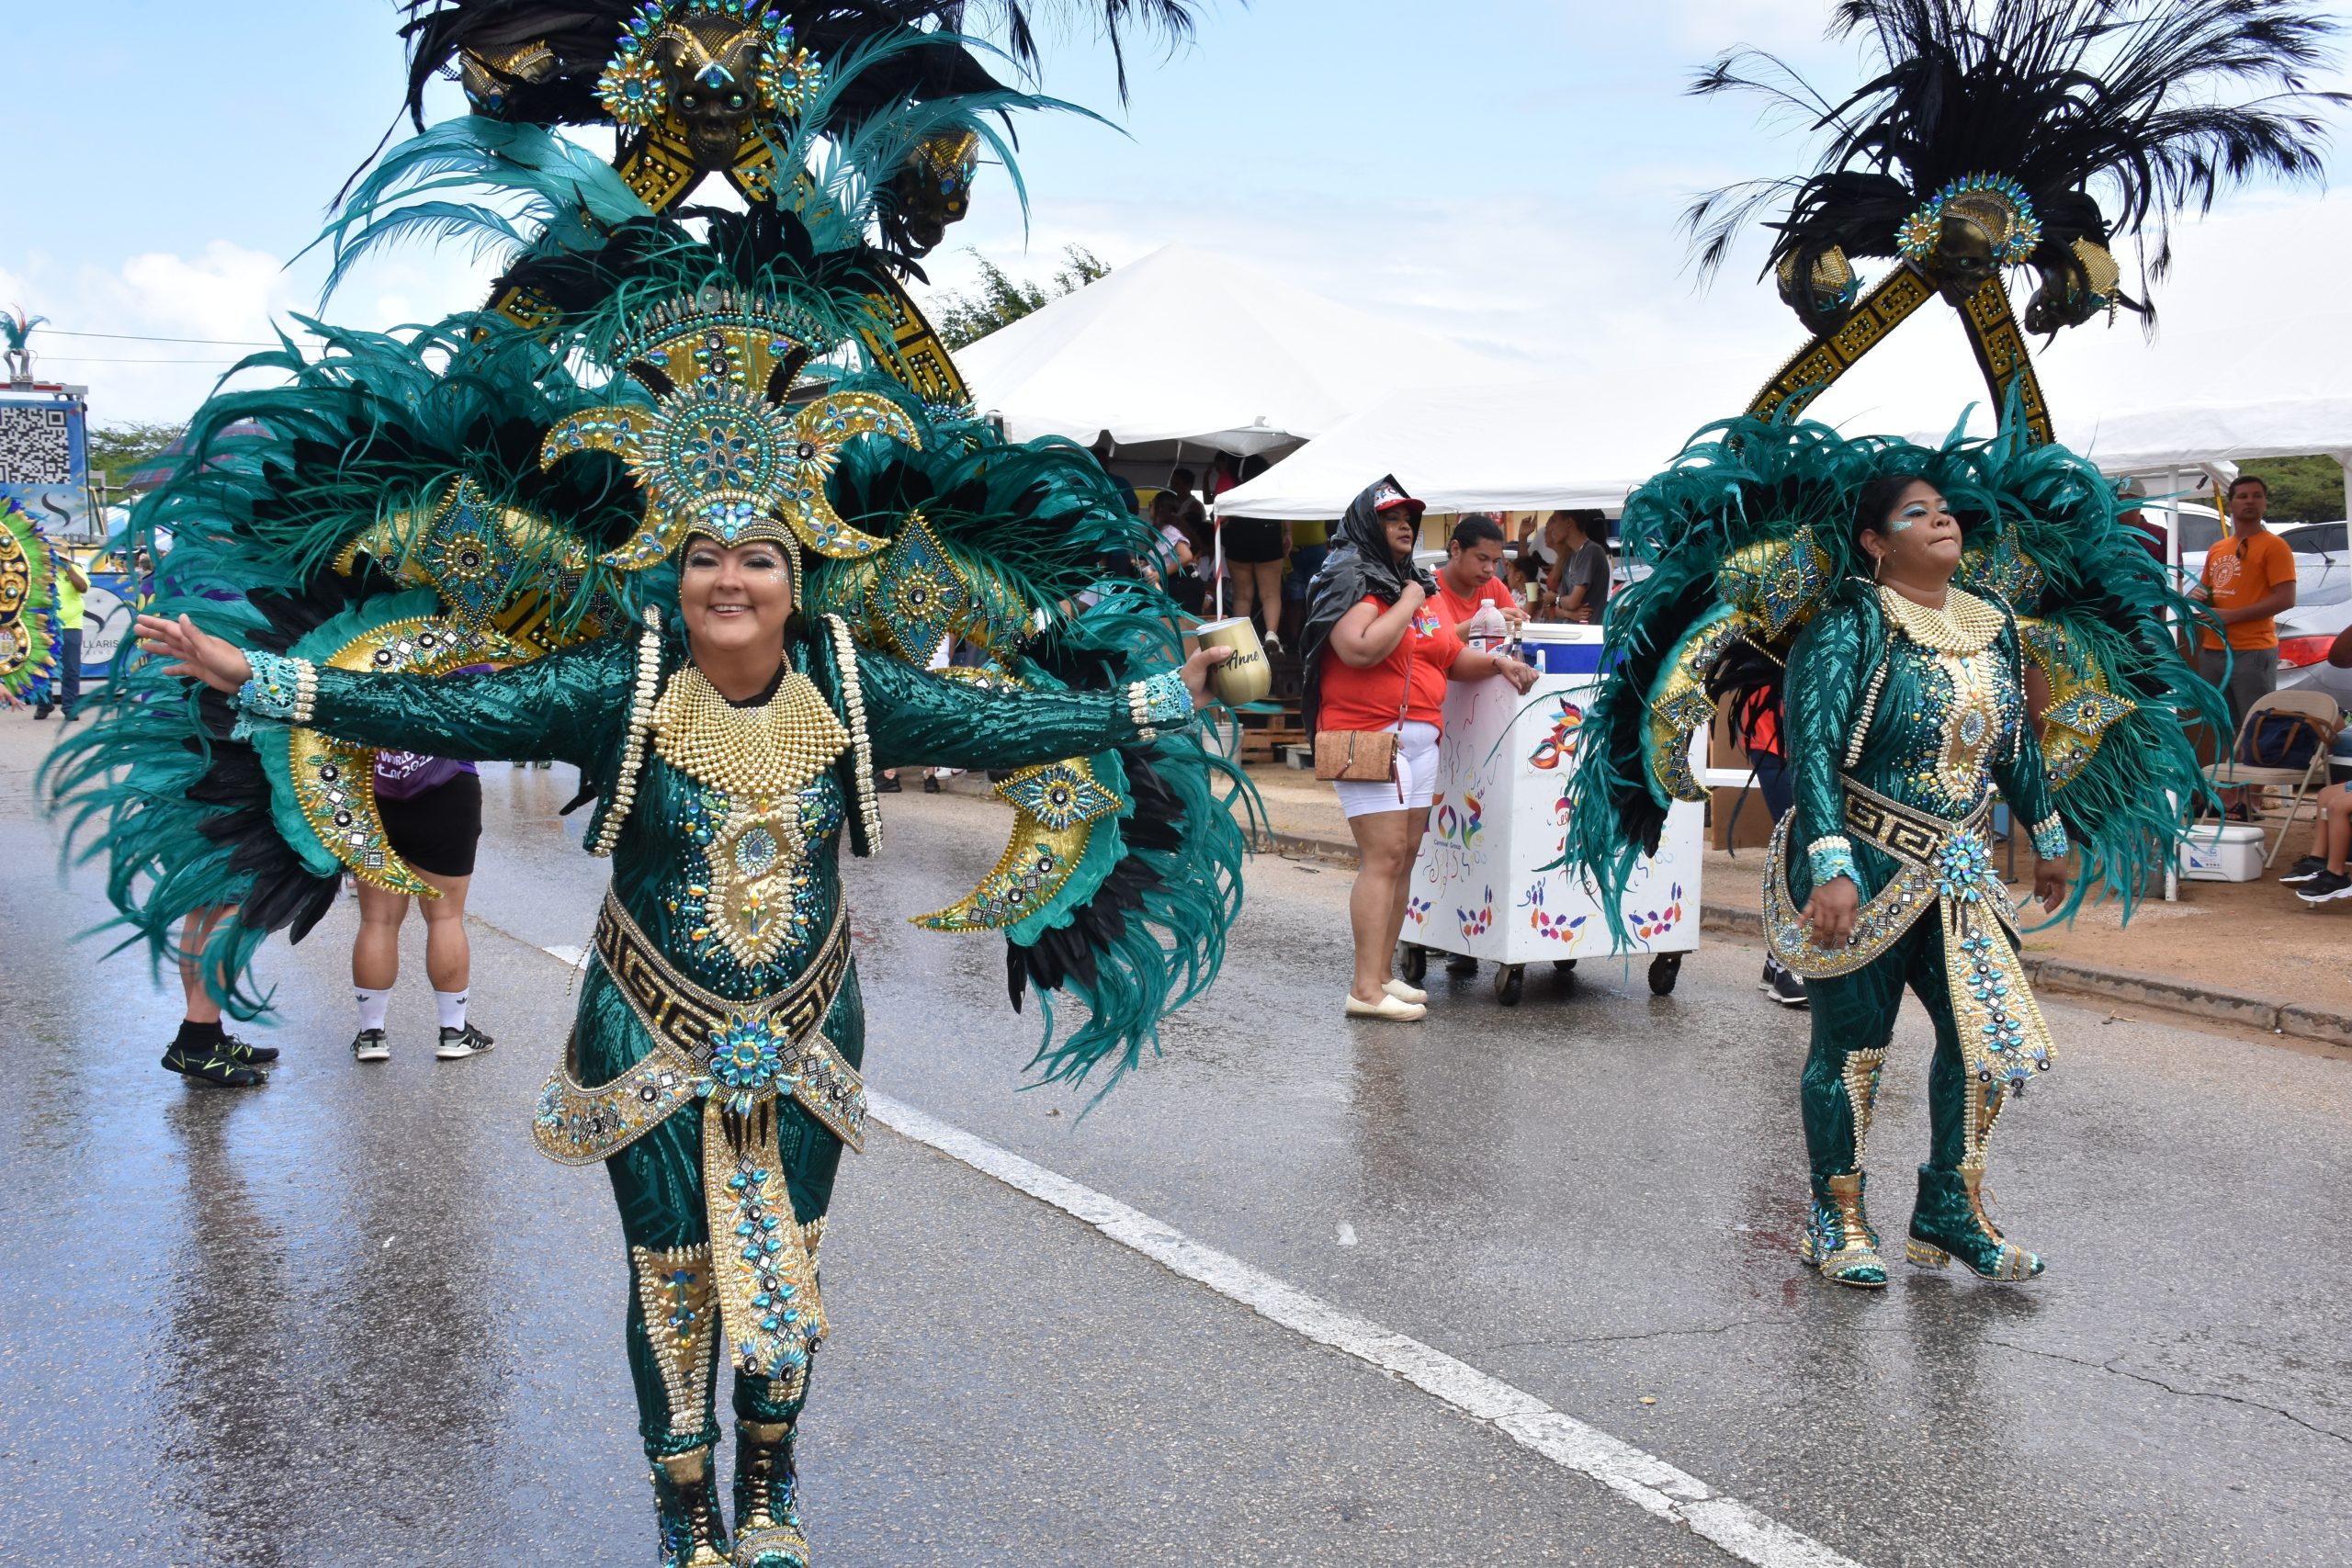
1416, 772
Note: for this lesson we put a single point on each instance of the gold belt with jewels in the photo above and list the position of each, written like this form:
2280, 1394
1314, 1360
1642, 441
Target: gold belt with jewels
737, 1055
1948, 867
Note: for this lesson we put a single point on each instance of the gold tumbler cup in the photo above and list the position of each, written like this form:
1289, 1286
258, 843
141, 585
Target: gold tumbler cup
1245, 677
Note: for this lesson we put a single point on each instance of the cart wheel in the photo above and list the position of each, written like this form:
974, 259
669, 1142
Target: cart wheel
1664, 969
1564, 967
1509, 980
1416, 966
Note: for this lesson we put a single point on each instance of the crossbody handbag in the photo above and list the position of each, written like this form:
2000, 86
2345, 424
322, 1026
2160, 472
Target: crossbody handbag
1367, 756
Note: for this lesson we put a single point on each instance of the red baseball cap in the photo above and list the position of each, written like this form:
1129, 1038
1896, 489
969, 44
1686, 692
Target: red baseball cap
1388, 496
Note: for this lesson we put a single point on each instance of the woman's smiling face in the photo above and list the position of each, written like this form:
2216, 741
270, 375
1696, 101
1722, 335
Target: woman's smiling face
735, 597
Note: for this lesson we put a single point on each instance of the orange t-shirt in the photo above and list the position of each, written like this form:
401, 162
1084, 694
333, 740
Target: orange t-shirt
1456, 609
1366, 699
2241, 570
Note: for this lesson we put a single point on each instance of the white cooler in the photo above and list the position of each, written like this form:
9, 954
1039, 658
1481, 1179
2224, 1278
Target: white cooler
2222, 851
1503, 770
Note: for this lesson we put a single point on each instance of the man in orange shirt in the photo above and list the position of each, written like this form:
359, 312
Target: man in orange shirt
2249, 579
1468, 579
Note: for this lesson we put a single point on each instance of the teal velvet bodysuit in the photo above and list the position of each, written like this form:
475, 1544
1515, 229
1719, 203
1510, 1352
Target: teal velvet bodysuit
574, 705
1897, 748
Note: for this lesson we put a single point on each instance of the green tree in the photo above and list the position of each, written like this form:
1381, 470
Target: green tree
116, 450
2302, 490
964, 319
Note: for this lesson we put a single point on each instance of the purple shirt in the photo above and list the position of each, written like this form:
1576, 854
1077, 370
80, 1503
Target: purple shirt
404, 776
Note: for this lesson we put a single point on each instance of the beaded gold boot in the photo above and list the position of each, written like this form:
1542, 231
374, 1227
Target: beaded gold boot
767, 1526
685, 1500
1949, 1222
1839, 1239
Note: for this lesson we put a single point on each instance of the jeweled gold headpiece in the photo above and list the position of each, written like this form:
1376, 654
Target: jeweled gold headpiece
719, 451
1994, 203
635, 90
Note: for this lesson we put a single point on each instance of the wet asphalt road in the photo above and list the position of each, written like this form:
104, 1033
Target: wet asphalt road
354, 1318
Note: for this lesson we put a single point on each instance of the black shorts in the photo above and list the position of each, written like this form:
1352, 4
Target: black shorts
1248, 539
437, 831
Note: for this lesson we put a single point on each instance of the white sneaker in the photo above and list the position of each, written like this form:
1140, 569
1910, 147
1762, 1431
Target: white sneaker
369, 1045
456, 1044
1389, 1007
1405, 993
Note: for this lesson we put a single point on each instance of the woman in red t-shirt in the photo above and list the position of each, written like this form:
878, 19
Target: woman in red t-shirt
1377, 656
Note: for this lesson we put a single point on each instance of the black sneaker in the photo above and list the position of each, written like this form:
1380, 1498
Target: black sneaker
245, 1051
369, 1045
885, 784
1783, 986
2325, 888
40, 712
2304, 869
208, 1066
930, 785
456, 1044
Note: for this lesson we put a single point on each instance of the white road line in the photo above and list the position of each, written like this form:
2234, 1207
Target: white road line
1642, 1479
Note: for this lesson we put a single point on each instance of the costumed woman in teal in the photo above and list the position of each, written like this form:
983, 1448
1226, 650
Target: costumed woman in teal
705, 499
1937, 626
1898, 608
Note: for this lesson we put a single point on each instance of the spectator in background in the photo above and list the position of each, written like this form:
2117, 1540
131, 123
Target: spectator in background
1177, 559
1103, 448
1535, 545
1468, 579
71, 584
1758, 718
1578, 584
2249, 579
1255, 548
431, 808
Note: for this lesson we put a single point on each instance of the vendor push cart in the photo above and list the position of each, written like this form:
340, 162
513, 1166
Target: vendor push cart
1500, 814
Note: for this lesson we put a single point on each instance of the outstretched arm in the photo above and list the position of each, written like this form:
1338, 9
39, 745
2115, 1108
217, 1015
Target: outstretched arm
567, 705
921, 720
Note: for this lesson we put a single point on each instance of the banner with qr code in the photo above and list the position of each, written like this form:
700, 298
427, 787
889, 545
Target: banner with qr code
43, 441
45, 460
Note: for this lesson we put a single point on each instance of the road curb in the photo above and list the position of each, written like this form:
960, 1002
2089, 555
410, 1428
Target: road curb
2206, 1002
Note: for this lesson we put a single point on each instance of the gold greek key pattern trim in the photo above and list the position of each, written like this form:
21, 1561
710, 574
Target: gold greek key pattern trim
681, 1016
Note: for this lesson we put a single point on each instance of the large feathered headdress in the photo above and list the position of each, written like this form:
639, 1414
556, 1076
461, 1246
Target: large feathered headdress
2006, 131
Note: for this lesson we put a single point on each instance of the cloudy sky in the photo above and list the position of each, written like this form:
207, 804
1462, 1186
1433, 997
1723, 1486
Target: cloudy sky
1505, 173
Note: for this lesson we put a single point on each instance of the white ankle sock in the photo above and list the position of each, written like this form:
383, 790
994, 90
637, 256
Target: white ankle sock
372, 1006
453, 1007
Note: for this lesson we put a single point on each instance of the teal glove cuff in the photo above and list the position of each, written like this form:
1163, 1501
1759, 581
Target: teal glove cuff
1162, 699
2050, 838
281, 688
1831, 858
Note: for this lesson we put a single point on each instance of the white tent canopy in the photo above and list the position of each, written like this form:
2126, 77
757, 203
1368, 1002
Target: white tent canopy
1184, 345
2196, 436
1500, 445
1525, 445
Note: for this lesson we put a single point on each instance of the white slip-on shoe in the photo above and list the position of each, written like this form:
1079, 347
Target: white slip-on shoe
1403, 992
1387, 1007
